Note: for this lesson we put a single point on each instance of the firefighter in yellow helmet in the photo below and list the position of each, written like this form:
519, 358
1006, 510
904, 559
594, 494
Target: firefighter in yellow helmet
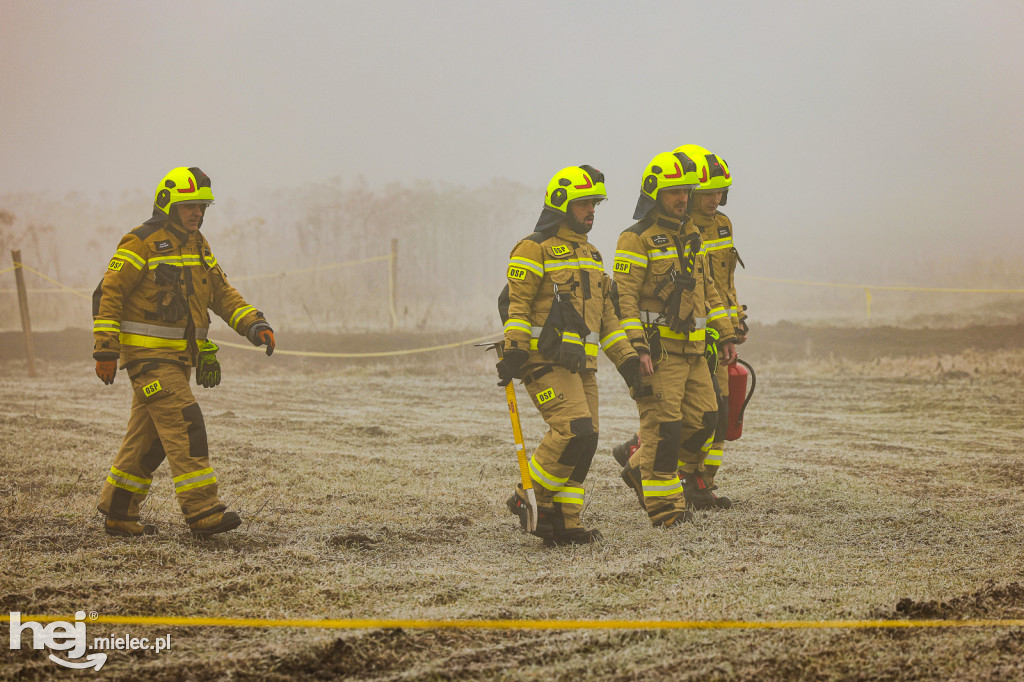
667, 303
151, 314
557, 310
722, 257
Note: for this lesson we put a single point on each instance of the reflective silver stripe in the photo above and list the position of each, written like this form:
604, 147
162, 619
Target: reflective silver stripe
651, 317
159, 332
592, 337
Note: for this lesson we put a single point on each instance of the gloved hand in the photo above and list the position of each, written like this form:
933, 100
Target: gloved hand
208, 368
572, 353
711, 349
106, 370
510, 364
260, 334
171, 306
630, 371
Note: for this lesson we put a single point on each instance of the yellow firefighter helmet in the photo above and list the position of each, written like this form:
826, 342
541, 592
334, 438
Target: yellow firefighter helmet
568, 185
668, 169
715, 175
183, 186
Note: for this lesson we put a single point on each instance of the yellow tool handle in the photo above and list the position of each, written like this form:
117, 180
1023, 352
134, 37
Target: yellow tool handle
517, 432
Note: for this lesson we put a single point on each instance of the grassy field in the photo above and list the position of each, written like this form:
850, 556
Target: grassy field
867, 485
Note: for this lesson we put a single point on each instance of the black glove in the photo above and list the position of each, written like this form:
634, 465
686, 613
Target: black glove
630, 371
572, 353
171, 306
208, 368
510, 364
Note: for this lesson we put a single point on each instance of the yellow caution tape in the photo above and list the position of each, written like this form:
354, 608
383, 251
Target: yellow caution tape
527, 624
317, 268
383, 354
64, 287
880, 287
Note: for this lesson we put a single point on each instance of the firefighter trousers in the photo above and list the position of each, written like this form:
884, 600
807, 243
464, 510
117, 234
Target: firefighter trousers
559, 465
165, 422
678, 415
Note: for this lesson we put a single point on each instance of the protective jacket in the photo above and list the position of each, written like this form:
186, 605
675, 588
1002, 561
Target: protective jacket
153, 301
722, 257
565, 261
649, 256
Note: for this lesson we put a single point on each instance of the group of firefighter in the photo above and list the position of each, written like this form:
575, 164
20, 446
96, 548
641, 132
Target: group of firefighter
668, 319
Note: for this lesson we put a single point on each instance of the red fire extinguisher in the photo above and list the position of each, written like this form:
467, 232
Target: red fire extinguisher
738, 396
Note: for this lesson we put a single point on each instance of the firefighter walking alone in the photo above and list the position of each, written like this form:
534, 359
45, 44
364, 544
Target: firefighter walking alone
151, 314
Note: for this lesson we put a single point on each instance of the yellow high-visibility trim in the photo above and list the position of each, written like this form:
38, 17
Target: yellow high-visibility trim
654, 488
132, 257
527, 264
572, 337
631, 257
152, 342
542, 477
125, 481
198, 484
193, 474
695, 335
613, 338
137, 479
517, 325
187, 260
718, 244
239, 314
106, 325
126, 486
569, 495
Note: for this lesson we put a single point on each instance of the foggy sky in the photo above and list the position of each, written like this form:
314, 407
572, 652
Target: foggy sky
857, 132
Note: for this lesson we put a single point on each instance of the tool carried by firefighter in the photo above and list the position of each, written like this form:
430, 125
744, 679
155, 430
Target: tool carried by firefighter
517, 433
738, 396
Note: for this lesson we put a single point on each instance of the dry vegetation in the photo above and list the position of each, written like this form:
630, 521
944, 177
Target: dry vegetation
884, 488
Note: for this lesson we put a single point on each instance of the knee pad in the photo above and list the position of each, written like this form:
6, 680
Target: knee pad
198, 446
582, 431
588, 446
708, 423
667, 453
151, 461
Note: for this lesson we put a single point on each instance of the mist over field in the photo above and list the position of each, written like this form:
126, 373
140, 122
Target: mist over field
870, 143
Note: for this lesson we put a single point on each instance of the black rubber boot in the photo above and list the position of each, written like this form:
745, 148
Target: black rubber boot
624, 451
699, 495
574, 536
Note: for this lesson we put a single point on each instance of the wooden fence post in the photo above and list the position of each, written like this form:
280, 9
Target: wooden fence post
26, 325
393, 281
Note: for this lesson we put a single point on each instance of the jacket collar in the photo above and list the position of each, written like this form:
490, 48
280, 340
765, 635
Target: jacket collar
566, 233
663, 221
